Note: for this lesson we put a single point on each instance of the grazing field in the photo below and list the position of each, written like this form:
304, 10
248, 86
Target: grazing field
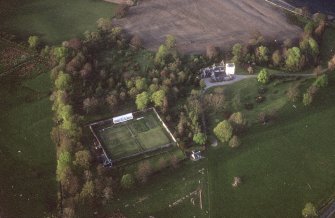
283, 165
195, 24
54, 21
27, 156
134, 136
159, 195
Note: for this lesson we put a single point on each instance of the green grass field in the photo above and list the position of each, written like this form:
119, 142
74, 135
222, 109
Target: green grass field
27, 155
283, 165
133, 136
55, 21
163, 189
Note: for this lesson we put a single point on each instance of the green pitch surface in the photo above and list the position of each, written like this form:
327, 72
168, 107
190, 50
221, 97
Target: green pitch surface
134, 136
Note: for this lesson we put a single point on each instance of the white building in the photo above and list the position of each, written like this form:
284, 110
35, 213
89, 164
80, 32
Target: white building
230, 69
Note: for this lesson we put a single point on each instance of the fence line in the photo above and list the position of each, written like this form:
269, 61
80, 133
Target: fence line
283, 5
164, 125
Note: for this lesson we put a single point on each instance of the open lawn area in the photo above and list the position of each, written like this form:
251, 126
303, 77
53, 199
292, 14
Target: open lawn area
54, 21
283, 165
27, 156
156, 197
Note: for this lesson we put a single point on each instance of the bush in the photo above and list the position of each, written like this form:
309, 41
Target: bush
200, 138
309, 210
127, 181
293, 93
307, 99
234, 142
144, 170
321, 81
223, 131
263, 76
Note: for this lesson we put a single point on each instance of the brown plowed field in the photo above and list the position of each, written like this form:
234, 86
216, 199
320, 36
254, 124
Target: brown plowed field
197, 23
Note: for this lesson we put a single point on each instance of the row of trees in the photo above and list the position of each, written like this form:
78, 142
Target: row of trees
290, 55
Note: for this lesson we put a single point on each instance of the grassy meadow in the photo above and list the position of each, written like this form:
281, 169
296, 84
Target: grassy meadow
283, 165
54, 21
27, 155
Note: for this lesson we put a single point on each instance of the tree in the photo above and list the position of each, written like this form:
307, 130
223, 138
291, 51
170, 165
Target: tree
212, 52
90, 104
331, 63
112, 101
234, 142
309, 28
276, 58
307, 99
202, 83
142, 100
250, 70
223, 131
63, 81
170, 42
87, 190
161, 54
309, 210
104, 24
60, 52
127, 181
236, 182
141, 84
63, 165
238, 121
200, 138
293, 93
262, 54
237, 53
321, 81
33, 41
144, 170
314, 47
82, 159
158, 97
136, 41
263, 76
293, 57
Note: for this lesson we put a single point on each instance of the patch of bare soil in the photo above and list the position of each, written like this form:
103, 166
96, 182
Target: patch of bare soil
198, 23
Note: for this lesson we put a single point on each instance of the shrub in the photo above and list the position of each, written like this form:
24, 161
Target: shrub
293, 93
234, 142
263, 76
33, 41
307, 99
200, 138
142, 100
82, 159
127, 181
223, 131
321, 81
309, 210
144, 170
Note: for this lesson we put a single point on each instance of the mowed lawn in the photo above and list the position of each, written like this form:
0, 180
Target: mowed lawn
283, 165
54, 21
27, 156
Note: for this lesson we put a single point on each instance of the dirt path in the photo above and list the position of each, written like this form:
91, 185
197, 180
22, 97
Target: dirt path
198, 23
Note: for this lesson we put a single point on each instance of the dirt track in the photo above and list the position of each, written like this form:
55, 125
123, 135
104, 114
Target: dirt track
197, 23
